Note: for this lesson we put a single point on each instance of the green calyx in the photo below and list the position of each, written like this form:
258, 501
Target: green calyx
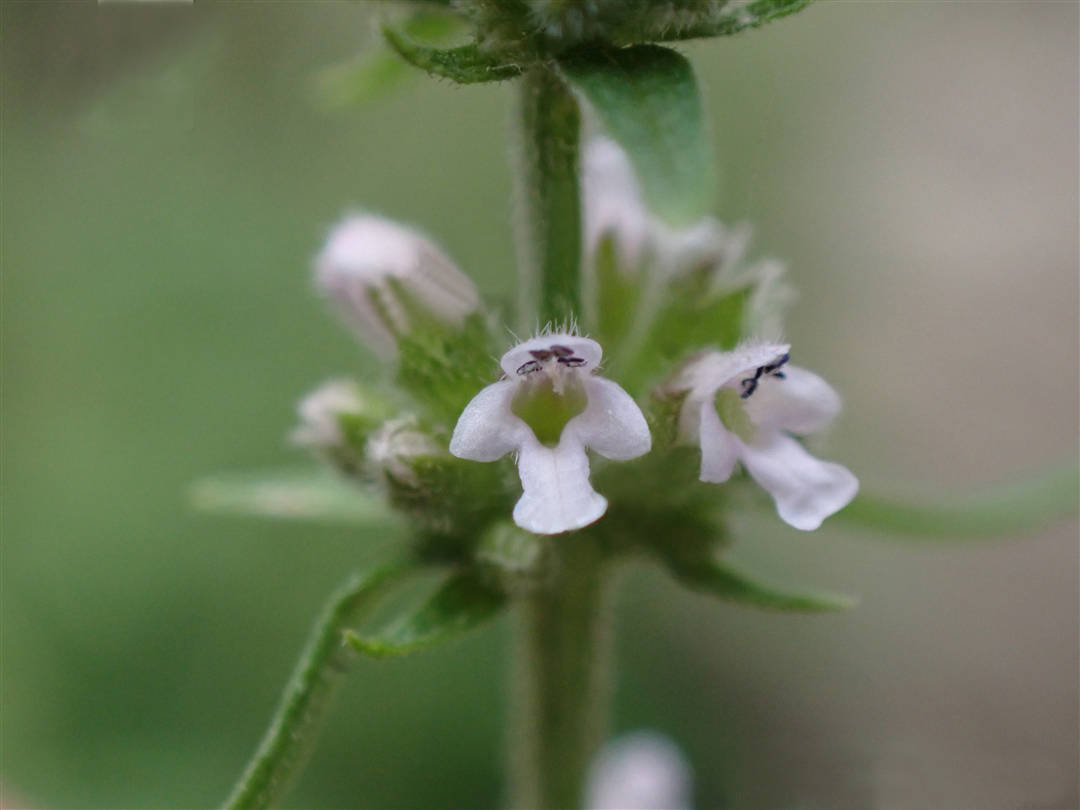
547, 401
729, 407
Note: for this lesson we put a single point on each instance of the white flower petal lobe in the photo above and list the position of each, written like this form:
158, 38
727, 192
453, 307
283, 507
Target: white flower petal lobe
805, 489
801, 402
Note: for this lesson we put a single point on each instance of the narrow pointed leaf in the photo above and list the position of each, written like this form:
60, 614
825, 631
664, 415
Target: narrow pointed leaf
730, 18
310, 692
1009, 510
378, 70
461, 604
465, 64
647, 99
720, 578
315, 495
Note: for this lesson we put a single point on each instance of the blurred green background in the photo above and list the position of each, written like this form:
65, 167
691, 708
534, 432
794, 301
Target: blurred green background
167, 177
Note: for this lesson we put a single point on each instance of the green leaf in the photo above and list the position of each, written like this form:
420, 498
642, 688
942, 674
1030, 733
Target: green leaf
304, 494
1017, 508
379, 70
647, 99
309, 694
731, 18
721, 579
692, 317
465, 64
461, 604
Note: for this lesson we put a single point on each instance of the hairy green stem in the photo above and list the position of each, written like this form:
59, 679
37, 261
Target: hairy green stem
309, 694
550, 199
561, 680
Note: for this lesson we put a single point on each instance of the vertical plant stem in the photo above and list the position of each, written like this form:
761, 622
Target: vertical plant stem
550, 235
309, 694
561, 681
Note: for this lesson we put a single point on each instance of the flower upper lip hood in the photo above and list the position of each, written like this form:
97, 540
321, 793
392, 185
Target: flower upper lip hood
743, 406
550, 379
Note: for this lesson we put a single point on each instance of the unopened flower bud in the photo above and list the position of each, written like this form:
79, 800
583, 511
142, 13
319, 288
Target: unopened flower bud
386, 280
399, 448
439, 492
639, 771
336, 420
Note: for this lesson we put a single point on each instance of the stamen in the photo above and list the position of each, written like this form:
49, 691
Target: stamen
529, 367
750, 384
775, 364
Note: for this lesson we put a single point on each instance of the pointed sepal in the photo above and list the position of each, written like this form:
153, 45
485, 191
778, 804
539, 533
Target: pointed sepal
717, 577
463, 603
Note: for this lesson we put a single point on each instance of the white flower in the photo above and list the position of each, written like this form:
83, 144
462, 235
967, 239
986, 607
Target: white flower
383, 277
742, 405
548, 408
639, 771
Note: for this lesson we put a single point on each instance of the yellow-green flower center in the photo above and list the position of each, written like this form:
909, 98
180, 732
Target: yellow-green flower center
729, 407
547, 401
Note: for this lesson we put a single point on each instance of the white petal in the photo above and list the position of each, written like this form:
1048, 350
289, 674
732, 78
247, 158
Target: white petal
806, 490
557, 496
487, 429
611, 424
719, 448
584, 349
800, 403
